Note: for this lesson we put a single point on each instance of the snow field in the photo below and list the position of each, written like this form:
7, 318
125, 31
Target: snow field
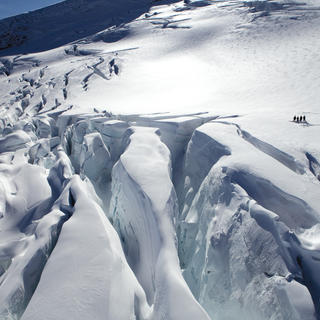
150, 168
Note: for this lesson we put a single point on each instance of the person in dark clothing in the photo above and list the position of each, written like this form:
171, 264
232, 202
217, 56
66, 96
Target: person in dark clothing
304, 118
300, 118
294, 119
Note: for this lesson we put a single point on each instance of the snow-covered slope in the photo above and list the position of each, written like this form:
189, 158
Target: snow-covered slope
149, 164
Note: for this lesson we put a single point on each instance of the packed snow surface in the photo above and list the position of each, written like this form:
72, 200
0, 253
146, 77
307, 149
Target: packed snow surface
150, 164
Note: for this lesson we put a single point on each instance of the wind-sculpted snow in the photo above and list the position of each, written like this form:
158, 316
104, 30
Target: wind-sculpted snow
150, 169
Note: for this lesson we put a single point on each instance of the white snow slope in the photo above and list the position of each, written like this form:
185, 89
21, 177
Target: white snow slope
149, 165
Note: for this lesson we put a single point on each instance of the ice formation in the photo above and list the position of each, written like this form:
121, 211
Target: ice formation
149, 167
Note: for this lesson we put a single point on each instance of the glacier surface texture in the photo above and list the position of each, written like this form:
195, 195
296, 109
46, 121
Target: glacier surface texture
160, 160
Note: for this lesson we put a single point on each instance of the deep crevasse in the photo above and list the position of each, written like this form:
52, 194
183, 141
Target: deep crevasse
238, 257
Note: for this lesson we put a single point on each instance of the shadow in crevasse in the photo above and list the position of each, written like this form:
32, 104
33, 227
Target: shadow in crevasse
70, 21
266, 7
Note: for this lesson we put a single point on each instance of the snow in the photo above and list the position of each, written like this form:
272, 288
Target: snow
145, 213
14, 141
150, 167
87, 271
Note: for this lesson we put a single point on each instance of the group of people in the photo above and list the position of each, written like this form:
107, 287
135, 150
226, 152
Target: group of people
299, 119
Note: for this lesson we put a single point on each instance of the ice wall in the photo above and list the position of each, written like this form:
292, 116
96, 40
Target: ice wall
241, 233
174, 217
144, 207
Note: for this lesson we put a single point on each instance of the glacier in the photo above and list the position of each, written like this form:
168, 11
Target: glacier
149, 165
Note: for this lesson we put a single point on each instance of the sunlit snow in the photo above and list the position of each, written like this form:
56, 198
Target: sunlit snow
150, 166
